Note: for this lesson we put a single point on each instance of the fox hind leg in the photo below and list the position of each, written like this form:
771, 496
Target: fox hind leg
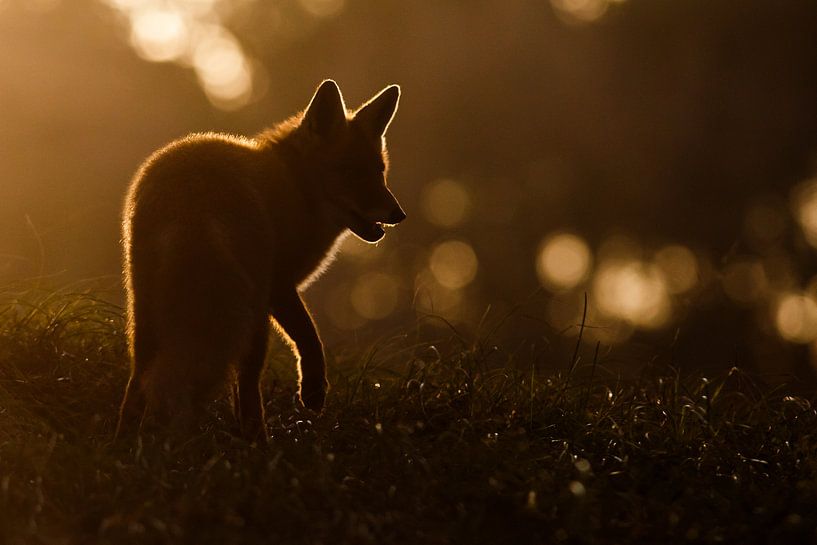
134, 402
133, 407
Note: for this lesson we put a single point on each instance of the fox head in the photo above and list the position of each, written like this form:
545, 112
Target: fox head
348, 158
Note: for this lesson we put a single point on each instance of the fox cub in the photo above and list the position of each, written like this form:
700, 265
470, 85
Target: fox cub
221, 233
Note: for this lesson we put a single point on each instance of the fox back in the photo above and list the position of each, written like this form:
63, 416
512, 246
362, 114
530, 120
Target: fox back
221, 233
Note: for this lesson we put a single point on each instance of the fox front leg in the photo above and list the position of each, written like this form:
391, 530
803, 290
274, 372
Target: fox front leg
292, 316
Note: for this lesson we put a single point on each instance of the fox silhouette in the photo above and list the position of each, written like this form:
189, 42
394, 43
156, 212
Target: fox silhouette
221, 235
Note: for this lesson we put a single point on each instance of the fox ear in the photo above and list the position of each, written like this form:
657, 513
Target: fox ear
378, 112
326, 111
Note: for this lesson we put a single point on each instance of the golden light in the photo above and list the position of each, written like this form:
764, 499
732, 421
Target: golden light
745, 281
322, 8
633, 291
577, 489
192, 34
446, 203
563, 261
580, 10
565, 311
222, 69
374, 295
795, 317
453, 264
159, 34
355, 249
805, 209
679, 266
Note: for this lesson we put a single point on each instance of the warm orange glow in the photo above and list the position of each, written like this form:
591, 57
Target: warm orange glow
633, 291
796, 318
191, 33
222, 69
577, 489
679, 267
159, 34
498, 207
453, 264
446, 203
580, 10
356, 249
563, 261
565, 310
805, 209
374, 295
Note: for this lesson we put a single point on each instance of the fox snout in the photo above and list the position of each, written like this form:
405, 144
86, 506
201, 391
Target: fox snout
388, 211
397, 215
367, 222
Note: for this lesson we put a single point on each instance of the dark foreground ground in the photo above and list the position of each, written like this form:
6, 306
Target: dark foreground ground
442, 441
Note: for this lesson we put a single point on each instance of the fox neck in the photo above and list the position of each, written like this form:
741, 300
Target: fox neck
304, 227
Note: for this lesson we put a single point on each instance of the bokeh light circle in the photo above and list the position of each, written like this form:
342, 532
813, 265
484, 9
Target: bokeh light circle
563, 261
454, 264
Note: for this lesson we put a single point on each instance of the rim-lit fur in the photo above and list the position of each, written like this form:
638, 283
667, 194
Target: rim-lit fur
221, 233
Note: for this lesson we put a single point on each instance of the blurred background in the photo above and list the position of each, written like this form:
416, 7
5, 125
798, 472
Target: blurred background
656, 157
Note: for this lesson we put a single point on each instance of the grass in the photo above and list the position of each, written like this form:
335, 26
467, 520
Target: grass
423, 441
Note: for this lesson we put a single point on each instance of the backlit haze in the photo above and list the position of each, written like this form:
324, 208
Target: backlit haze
655, 157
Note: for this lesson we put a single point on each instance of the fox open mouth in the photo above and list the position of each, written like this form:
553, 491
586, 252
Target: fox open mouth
370, 231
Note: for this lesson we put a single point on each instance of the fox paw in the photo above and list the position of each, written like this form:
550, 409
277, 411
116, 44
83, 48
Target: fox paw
313, 396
